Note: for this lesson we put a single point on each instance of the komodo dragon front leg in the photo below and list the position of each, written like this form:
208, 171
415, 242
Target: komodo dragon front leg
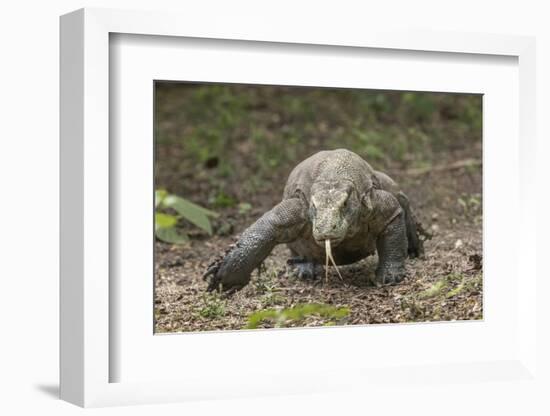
282, 224
391, 245
390, 227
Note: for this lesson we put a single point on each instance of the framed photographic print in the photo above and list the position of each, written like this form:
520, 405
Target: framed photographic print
269, 212
230, 146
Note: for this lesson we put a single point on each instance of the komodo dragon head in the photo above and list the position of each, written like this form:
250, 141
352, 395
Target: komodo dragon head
334, 210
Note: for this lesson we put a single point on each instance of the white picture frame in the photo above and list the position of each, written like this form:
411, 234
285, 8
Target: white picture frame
87, 301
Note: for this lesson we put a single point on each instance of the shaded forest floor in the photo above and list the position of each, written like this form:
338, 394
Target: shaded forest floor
230, 148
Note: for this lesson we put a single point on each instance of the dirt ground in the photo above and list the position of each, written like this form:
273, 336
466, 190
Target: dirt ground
442, 177
445, 285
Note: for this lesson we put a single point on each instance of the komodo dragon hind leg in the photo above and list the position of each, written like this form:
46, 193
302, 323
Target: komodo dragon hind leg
415, 244
304, 268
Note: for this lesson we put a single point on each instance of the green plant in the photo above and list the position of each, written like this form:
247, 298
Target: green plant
272, 299
266, 285
434, 290
165, 219
265, 282
450, 286
470, 203
284, 317
222, 200
213, 306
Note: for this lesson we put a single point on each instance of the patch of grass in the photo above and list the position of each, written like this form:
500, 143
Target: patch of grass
266, 286
457, 290
475, 284
213, 306
470, 204
417, 306
222, 200
451, 285
265, 282
272, 299
434, 290
287, 316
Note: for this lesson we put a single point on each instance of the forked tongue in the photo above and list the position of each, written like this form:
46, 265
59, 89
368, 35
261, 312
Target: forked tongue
328, 251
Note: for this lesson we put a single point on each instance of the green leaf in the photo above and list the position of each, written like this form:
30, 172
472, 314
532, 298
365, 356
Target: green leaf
165, 220
191, 212
160, 194
174, 201
171, 235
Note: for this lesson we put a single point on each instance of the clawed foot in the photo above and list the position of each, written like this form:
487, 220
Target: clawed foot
390, 274
226, 274
304, 269
211, 276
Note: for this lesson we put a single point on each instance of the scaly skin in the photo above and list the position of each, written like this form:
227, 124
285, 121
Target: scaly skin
333, 195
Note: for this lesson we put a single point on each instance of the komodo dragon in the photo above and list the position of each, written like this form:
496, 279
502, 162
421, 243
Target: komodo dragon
335, 206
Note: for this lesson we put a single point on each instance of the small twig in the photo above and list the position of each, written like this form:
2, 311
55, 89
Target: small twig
466, 163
